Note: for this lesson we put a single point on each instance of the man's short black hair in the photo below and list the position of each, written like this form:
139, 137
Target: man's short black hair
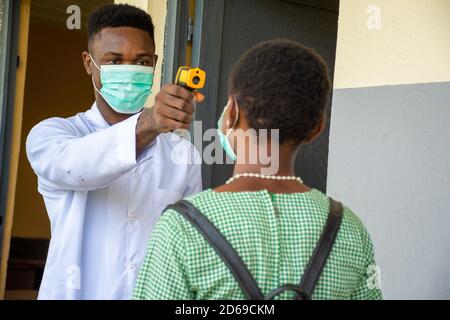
119, 15
281, 84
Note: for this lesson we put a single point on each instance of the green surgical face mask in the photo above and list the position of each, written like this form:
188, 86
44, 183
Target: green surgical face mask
224, 141
125, 87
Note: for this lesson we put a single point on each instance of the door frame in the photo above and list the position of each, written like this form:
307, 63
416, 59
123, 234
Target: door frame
175, 39
206, 53
7, 106
11, 126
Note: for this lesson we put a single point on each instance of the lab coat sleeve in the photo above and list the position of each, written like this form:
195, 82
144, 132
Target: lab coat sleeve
66, 161
195, 184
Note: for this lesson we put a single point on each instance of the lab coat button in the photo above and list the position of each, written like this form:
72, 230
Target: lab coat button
132, 266
132, 217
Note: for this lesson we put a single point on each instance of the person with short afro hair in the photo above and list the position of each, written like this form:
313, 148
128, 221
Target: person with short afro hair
271, 221
281, 84
119, 15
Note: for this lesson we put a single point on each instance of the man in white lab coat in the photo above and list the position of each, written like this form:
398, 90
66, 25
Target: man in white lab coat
106, 174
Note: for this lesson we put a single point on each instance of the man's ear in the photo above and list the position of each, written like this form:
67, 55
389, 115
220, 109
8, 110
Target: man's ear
87, 62
318, 130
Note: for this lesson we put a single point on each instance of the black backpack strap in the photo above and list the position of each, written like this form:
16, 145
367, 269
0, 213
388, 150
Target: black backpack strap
221, 246
238, 267
322, 250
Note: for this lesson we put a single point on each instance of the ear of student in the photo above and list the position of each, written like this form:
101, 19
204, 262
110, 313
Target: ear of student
231, 113
317, 130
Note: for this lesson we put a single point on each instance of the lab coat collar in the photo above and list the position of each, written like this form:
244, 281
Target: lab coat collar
95, 117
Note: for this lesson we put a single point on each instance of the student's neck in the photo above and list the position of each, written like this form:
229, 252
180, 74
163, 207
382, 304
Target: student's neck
281, 165
285, 168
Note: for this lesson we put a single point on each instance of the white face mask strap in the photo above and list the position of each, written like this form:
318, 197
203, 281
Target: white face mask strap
92, 77
98, 91
237, 116
95, 87
237, 112
94, 62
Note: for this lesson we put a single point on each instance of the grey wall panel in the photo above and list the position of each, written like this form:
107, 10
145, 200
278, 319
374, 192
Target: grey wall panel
389, 160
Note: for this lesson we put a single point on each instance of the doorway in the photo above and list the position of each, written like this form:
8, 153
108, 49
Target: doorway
56, 85
225, 29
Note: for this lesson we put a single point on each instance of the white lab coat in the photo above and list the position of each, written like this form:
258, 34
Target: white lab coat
102, 202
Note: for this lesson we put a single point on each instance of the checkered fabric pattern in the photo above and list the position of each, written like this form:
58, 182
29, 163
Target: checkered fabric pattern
274, 234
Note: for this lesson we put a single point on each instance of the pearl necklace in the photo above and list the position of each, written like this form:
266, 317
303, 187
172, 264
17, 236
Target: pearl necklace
263, 176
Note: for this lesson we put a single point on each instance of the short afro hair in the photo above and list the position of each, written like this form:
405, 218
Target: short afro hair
119, 15
281, 84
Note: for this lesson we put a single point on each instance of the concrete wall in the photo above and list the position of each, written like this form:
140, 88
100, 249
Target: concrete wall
389, 140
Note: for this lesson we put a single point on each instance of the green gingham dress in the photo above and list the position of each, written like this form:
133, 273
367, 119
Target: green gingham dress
274, 234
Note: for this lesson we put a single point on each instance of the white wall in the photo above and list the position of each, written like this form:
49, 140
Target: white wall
383, 42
